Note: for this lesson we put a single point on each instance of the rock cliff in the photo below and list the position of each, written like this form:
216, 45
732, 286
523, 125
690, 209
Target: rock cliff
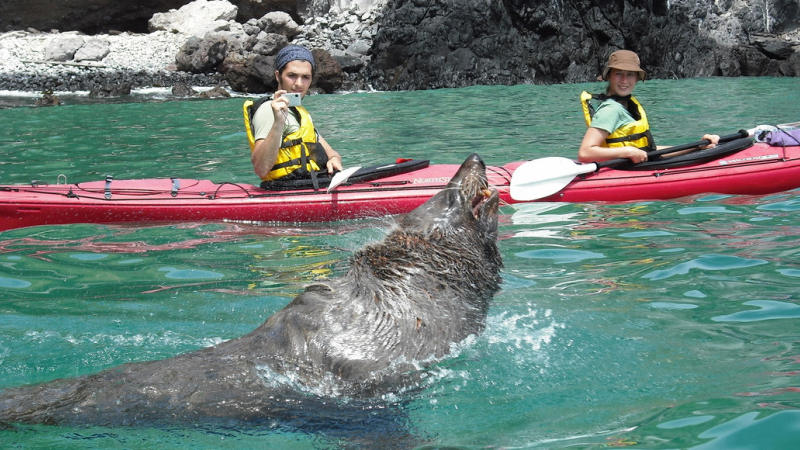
439, 43
421, 44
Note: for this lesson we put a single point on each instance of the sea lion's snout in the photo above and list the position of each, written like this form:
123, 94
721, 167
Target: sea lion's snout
474, 185
467, 203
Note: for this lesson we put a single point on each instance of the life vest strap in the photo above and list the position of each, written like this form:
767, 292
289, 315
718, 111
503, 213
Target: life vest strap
291, 143
289, 163
304, 154
630, 137
304, 163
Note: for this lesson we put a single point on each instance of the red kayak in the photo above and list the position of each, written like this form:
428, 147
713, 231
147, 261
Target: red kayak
757, 169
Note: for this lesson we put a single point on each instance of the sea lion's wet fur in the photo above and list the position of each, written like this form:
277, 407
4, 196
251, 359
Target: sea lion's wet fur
401, 306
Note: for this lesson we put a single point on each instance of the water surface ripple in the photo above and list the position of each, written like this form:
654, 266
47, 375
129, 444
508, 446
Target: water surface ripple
646, 324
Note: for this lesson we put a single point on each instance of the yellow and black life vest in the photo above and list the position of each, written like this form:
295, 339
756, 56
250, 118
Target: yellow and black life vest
636, 133
299, 151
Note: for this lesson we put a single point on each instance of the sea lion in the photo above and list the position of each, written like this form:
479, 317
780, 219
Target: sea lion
401, 306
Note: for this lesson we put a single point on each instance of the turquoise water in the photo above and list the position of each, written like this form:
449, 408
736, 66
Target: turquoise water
647, 324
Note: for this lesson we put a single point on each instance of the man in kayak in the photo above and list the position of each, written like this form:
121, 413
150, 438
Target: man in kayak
618, 127
284, 144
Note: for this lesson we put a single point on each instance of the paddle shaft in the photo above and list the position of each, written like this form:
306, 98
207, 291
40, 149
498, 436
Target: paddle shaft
620, 161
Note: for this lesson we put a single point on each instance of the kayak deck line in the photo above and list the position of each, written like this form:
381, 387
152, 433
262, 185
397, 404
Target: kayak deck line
198, 195
245, 190
749, 161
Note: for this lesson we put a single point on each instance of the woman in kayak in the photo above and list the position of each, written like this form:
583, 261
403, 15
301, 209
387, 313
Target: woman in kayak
617, 127
284, 143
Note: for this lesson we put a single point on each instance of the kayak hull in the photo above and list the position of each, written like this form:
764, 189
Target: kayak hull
759, 169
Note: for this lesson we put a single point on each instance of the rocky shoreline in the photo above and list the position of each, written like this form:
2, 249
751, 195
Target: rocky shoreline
136, 60
405, 44
199, 44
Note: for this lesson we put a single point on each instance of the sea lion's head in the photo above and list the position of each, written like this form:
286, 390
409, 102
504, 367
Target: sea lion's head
466, 208
445, 249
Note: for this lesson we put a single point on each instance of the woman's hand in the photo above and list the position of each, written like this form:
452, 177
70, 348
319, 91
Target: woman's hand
636, 155
711, 137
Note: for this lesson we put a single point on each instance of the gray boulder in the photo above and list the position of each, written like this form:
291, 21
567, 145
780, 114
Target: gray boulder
196, 18
772, 46
349, 62
269, 43
249, 9
280, 23
94, 49
317, 8
63, 47
360, 47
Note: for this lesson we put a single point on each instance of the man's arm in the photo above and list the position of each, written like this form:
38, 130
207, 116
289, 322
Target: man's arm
334, 159
265, 151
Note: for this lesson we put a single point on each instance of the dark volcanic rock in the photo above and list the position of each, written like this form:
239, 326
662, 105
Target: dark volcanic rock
110, 89
449, 43
328, 75
215, 92
251, 74
48, 99
183, 90
202, 55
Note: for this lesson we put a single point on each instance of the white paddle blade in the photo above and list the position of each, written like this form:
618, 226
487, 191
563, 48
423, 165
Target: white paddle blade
791, 125
543, 177
341, 177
